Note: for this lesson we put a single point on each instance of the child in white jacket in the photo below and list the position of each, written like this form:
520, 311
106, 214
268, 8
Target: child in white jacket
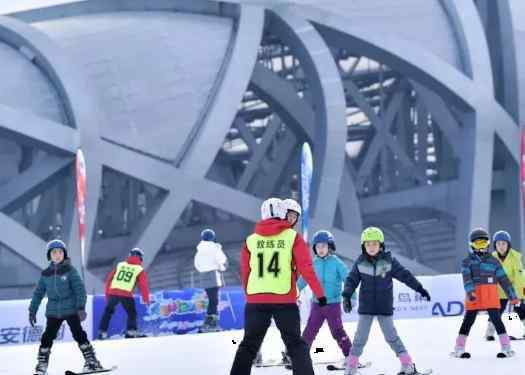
211, 262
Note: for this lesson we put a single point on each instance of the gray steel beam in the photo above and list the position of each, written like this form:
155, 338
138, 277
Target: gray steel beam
457, 90
80, 106
221, 113
80, 8
329, 103
258, 154
444, 118
32, 182
14, 234
282, 98
438, 196
36, 131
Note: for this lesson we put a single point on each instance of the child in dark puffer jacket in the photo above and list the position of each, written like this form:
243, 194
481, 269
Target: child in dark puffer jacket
374, 270
66, 302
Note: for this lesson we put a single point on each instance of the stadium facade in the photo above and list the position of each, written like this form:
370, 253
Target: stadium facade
191, 112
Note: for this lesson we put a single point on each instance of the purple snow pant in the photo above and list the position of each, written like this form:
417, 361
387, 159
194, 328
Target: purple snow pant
332, 314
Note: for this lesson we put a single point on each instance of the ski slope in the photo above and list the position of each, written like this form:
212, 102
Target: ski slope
428, 340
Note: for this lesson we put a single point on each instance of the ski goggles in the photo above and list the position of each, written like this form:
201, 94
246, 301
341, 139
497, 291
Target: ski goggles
480, 244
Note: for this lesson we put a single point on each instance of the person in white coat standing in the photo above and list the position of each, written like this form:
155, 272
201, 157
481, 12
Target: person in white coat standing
211, 262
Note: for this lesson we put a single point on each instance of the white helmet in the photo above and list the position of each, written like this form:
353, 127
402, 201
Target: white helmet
292, 205
273, 208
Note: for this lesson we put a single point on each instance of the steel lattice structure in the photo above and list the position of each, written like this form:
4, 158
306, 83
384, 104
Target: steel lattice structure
190, 112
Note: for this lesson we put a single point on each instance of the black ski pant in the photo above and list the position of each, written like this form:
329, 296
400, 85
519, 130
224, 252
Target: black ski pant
257, 319
470, 318
129, 305
519, 309
54, 324
213, 300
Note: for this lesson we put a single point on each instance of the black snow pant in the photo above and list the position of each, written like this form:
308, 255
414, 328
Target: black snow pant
53, 325
257, 319
213, 300
519, 309
129, 305
470, 318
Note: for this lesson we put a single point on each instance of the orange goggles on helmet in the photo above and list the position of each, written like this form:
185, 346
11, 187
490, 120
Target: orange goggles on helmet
480, 244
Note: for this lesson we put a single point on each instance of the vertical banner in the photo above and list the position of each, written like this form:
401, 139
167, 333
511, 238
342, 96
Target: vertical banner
522, 166
81, 205
307, 166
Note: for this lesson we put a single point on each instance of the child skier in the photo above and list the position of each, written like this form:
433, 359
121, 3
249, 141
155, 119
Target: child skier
481, 275
211, 262
332, 273
66, 302
119, 289
511, 261
374, 270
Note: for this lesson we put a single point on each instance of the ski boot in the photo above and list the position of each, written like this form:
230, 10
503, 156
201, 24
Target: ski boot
459, 349
287, 360
407, 366
351, 365
92, 363
133, 334
211, 324
102, 335
506, 350
258, 361
43, 361
407, 369
489, 333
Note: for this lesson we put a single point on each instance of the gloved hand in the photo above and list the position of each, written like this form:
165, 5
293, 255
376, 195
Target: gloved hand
471, 296
82, 315
32, 318
425, 294
322, 301
347, 305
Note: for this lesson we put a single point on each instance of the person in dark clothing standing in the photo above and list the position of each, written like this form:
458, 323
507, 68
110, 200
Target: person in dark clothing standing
66, 302
120, 284
374, 270
270, 261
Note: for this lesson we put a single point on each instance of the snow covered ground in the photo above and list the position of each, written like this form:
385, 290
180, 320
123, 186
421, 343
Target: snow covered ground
428, 340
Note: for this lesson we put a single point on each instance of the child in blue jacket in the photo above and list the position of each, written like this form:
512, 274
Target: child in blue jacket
375, 270
66, 302
331, 272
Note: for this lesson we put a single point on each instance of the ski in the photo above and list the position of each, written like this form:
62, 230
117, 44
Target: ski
514, 338
332, 367
68, 372
424, 372
465, 355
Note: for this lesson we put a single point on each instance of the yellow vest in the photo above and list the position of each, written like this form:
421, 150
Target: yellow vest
270, 263
126, 276
513, 267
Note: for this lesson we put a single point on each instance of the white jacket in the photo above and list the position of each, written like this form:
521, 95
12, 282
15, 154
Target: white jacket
210, 257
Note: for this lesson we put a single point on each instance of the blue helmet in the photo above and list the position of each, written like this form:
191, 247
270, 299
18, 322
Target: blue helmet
208, 235
56, 244
501, 235
137, 252
325, 237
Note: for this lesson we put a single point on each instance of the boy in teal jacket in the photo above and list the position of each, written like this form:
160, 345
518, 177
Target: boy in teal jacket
331, 272
66, 302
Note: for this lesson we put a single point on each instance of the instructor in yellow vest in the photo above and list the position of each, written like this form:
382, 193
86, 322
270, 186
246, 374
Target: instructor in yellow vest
271, 260
119, 289
512, 263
